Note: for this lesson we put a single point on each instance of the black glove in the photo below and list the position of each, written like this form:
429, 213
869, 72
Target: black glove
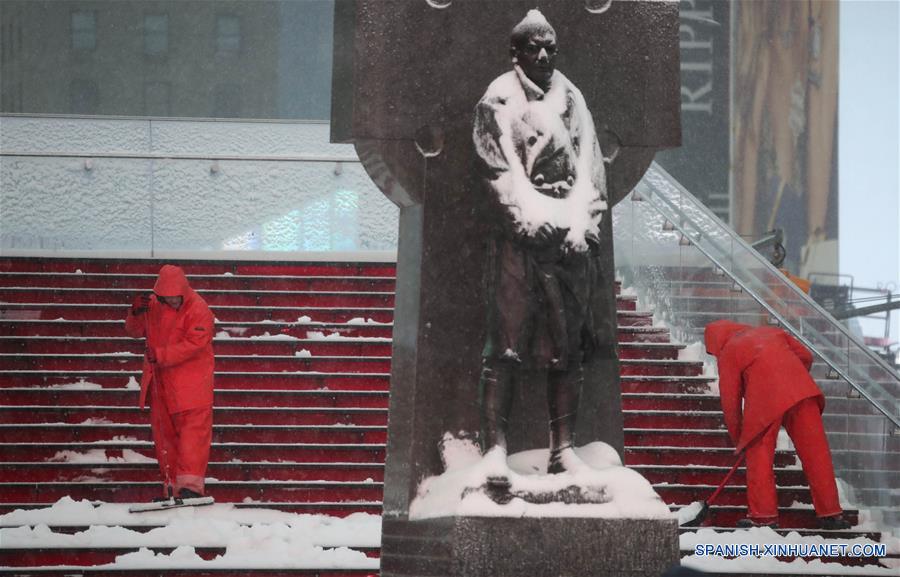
140, 304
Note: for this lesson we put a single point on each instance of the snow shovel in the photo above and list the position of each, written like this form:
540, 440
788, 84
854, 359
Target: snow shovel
694, 514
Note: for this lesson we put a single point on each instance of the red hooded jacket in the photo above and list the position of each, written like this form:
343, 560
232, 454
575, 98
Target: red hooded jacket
764, 367
181, 341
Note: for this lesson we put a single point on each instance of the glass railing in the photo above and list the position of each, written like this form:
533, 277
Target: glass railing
692, 269
135, 186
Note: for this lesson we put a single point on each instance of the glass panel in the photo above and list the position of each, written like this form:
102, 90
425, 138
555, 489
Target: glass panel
84, 30
156, 34
136, 185
228, 34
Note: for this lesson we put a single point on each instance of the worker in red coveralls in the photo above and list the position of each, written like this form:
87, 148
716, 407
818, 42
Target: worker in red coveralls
177, 379
768, 370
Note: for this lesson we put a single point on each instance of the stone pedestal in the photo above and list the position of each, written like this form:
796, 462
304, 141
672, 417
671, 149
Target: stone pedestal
528, 547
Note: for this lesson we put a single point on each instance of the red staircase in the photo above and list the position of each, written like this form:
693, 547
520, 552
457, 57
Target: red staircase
302, 379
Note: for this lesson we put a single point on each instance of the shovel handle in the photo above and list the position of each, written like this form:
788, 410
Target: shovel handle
727, 478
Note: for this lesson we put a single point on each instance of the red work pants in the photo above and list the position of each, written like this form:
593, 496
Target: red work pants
803, 424
182, 445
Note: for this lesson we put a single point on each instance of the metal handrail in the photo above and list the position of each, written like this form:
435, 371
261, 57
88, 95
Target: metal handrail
681, 220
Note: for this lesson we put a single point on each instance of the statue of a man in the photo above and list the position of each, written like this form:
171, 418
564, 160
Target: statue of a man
544, 171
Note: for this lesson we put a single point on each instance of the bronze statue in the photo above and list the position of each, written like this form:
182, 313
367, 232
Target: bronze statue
544, 171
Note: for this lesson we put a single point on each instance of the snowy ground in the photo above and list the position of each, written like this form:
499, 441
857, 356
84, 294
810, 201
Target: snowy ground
253, 538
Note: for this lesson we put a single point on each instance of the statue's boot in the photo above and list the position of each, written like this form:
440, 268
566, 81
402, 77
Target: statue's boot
495, 399
563, 395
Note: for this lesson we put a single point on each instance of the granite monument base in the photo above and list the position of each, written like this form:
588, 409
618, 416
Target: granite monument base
528, 547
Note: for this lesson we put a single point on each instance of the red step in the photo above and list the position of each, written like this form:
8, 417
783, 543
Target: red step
223, 380
631, 367
713, 475
222, 346
321, 453
132, 362
221, 415
195, 267
223, 398
695, 385
642, 334
693, 456
656, 351
714, 437
243, 471
229, 298
223, 314
646, 419
145, 282
679, 494
226, 492
788, 517
330, 508
104, 431
115, 329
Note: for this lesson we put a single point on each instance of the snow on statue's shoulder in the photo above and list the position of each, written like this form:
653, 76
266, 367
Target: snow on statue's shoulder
458, 491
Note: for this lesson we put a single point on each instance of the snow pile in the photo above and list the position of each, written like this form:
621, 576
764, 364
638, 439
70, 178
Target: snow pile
303, 353
269, 337
694, 352
96, 421
320, 336
132, 383
456, 491
364, 321
99, 456
689, 513
80, 385
783, 442
252, 538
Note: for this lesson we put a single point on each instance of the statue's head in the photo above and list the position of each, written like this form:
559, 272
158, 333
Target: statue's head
533, 48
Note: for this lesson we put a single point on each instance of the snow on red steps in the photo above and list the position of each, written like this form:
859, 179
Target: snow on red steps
301, 408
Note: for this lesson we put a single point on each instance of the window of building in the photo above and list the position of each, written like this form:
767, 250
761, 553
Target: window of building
228, 33
84, 30
156, 34
84, 96
157, 99
228, 101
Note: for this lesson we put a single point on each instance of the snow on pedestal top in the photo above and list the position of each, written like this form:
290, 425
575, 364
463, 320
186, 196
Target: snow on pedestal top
630, 495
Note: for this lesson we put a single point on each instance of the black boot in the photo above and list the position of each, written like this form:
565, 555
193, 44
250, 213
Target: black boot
563, 395
495, 400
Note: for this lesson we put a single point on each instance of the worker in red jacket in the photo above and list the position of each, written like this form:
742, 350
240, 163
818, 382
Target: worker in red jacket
764, 384
177, 378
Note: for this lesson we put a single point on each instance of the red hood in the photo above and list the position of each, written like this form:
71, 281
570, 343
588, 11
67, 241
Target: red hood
718, 334
172, 282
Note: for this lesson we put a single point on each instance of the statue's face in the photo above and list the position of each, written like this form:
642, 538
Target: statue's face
536, 57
